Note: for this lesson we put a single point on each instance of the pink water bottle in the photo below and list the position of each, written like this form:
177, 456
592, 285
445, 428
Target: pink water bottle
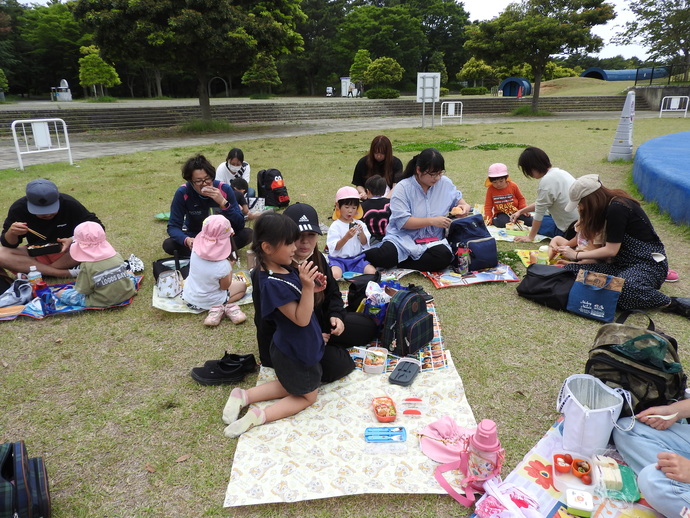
485, 455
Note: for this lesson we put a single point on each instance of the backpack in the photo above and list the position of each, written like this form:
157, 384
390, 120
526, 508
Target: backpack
408, 326
356, 293
271, 187
548, 285
471, 233
24, 491
640, 360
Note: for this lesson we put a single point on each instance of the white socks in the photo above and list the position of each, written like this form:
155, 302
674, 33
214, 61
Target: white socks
236, 402
254, 417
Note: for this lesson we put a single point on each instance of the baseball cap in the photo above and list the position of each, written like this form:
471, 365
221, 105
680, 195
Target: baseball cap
42, 197
583, 186
305, 216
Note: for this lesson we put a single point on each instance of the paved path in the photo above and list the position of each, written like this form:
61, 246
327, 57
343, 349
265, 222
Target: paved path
82, 148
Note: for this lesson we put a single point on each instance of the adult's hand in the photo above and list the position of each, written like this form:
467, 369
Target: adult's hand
337, 326
440, 222
213, 193
567, 253
514, 216
66, 243
189, 242
674, 466
657, 423
523, 239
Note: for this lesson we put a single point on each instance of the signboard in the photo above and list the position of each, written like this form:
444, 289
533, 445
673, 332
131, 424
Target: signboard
428, 86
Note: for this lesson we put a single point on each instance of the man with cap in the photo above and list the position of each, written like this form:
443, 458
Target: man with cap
46, 211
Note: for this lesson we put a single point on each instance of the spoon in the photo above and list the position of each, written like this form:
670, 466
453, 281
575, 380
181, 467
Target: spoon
664, 417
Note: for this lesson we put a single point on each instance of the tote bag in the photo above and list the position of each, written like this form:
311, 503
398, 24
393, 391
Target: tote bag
595, 295
547, 285
590, 410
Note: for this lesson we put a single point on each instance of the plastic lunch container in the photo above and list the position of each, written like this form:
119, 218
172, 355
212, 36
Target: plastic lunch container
375, 360
566, 480
384, 409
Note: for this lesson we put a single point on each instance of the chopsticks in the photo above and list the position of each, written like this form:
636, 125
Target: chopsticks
517, 224
37, 234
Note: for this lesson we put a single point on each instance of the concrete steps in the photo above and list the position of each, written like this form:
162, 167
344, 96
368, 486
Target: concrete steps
111, 117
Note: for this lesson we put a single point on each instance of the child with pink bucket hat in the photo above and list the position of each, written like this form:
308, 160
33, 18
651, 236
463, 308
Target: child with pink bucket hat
209, 284
104, 278
503, 198
347, 236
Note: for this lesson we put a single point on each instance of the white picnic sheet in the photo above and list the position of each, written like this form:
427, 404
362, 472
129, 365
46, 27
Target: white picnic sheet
177, 305
321, 452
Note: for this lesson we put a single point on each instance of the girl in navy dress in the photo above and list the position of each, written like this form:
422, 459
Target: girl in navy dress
287, 298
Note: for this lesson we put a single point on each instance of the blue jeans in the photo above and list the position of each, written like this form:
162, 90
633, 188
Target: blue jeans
639, 448
71, 297
548, 227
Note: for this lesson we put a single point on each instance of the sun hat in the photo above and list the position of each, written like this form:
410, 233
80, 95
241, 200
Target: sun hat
583, 186
347, 193
42, 197
213, 242
497, 170
305, 216
90, 244
444, 440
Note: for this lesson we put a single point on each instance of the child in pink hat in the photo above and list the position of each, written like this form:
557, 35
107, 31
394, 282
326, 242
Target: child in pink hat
503, 198
209, 284
348, 237
104, 279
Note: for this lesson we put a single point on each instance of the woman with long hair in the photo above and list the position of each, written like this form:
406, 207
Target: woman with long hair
379, 160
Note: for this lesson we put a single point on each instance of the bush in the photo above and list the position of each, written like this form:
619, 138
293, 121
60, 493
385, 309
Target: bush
261, 96
444, 91
382, 93
526, 111
103, 99
476, 90
204, 126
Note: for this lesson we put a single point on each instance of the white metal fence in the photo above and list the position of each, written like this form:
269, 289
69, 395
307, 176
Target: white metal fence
451, 110
675, 103
33, 136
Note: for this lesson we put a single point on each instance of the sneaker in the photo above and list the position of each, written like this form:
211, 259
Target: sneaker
73, 272
248, 361
218, 374
672, 276
215, 315
420, 290
135, 264
235, 314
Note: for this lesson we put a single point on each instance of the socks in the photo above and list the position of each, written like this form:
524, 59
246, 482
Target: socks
236, 402
254, 417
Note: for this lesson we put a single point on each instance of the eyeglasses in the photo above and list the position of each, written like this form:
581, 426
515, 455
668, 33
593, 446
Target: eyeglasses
204, 181
435, 174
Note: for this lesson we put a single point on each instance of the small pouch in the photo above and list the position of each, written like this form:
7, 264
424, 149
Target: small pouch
405, 371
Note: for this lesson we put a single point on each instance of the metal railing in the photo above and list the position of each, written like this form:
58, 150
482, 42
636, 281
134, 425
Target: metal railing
40, 136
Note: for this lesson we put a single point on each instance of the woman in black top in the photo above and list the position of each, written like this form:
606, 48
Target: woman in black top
379, 160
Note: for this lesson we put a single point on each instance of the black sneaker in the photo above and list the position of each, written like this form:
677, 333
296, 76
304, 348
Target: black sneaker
218, 374
679, 306
420, 290
247, 361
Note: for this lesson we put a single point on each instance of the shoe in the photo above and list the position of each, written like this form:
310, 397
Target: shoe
74, 272
679, 306
218, 374
672, 276
247, 361
420, 290
235, 314
215, 315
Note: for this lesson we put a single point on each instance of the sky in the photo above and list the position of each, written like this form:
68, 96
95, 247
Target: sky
487, 9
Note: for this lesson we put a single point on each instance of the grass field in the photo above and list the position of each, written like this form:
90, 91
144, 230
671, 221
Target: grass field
106, 397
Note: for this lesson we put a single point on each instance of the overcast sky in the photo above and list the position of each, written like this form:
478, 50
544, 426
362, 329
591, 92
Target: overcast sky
487, 9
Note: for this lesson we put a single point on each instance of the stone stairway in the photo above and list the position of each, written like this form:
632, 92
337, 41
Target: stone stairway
112, 117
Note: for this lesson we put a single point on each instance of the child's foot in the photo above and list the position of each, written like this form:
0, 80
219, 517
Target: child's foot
254, 417
215, 315
672, 276
236, 402
235, 314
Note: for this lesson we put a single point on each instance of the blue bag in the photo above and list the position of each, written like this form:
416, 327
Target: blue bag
471, 232
595, 295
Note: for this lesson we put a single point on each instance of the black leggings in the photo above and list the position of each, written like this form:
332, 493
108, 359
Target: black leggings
435, 259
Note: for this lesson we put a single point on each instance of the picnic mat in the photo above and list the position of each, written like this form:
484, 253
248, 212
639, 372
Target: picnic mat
448, 278
502, 234
35, 309
321, 452
177, 305
535, 474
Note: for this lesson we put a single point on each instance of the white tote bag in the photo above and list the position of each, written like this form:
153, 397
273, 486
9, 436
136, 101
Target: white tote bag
170, 283
590, 410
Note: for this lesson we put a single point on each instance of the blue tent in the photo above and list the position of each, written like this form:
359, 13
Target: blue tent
510, 86
625, 75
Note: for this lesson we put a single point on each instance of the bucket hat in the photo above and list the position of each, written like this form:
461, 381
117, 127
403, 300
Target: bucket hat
347, 193
42, 197
497, 170
213, 242
444, 440
90, 244
305, 216
583, 186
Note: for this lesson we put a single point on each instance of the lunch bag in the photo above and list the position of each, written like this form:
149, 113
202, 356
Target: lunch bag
595, 295
547, 285
471, 233
170, 283
24, 490
271, 186
170, 263
641, 360
408, 326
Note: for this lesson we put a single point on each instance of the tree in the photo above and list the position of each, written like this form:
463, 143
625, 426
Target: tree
663, 26
200, 37
4, 85
263, 73
475, 69
535, 30
360, 64
436, 64
94, 71
384, 71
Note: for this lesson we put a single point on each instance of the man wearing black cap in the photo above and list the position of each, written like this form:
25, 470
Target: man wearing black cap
50, 213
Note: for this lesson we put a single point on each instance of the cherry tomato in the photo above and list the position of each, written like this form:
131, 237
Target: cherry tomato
586, 480
568, 458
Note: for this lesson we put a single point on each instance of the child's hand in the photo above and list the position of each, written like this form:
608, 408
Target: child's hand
319, 282
354, 230
308, 274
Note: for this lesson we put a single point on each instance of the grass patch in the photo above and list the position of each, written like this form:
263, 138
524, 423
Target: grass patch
442, 146
526, 111
110, 391
204, 126
498, 145
262, 96
102, 99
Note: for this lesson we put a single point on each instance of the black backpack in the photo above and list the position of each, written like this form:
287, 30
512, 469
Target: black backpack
24, 490
641, 360
271, 187
471, 232
408, 325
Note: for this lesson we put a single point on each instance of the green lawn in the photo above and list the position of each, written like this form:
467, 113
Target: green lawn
106, 397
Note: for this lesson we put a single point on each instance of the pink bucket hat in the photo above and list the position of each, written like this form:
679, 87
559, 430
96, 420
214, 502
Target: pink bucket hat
90, 244
444, 440
213, 242
497, 170
347, 193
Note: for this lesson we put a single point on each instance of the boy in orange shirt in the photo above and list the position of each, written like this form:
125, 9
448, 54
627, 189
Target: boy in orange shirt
503, 198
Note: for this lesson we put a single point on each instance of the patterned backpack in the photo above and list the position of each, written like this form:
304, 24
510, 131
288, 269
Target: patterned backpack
408, 326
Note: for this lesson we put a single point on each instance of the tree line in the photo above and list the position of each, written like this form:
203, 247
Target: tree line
174, 47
